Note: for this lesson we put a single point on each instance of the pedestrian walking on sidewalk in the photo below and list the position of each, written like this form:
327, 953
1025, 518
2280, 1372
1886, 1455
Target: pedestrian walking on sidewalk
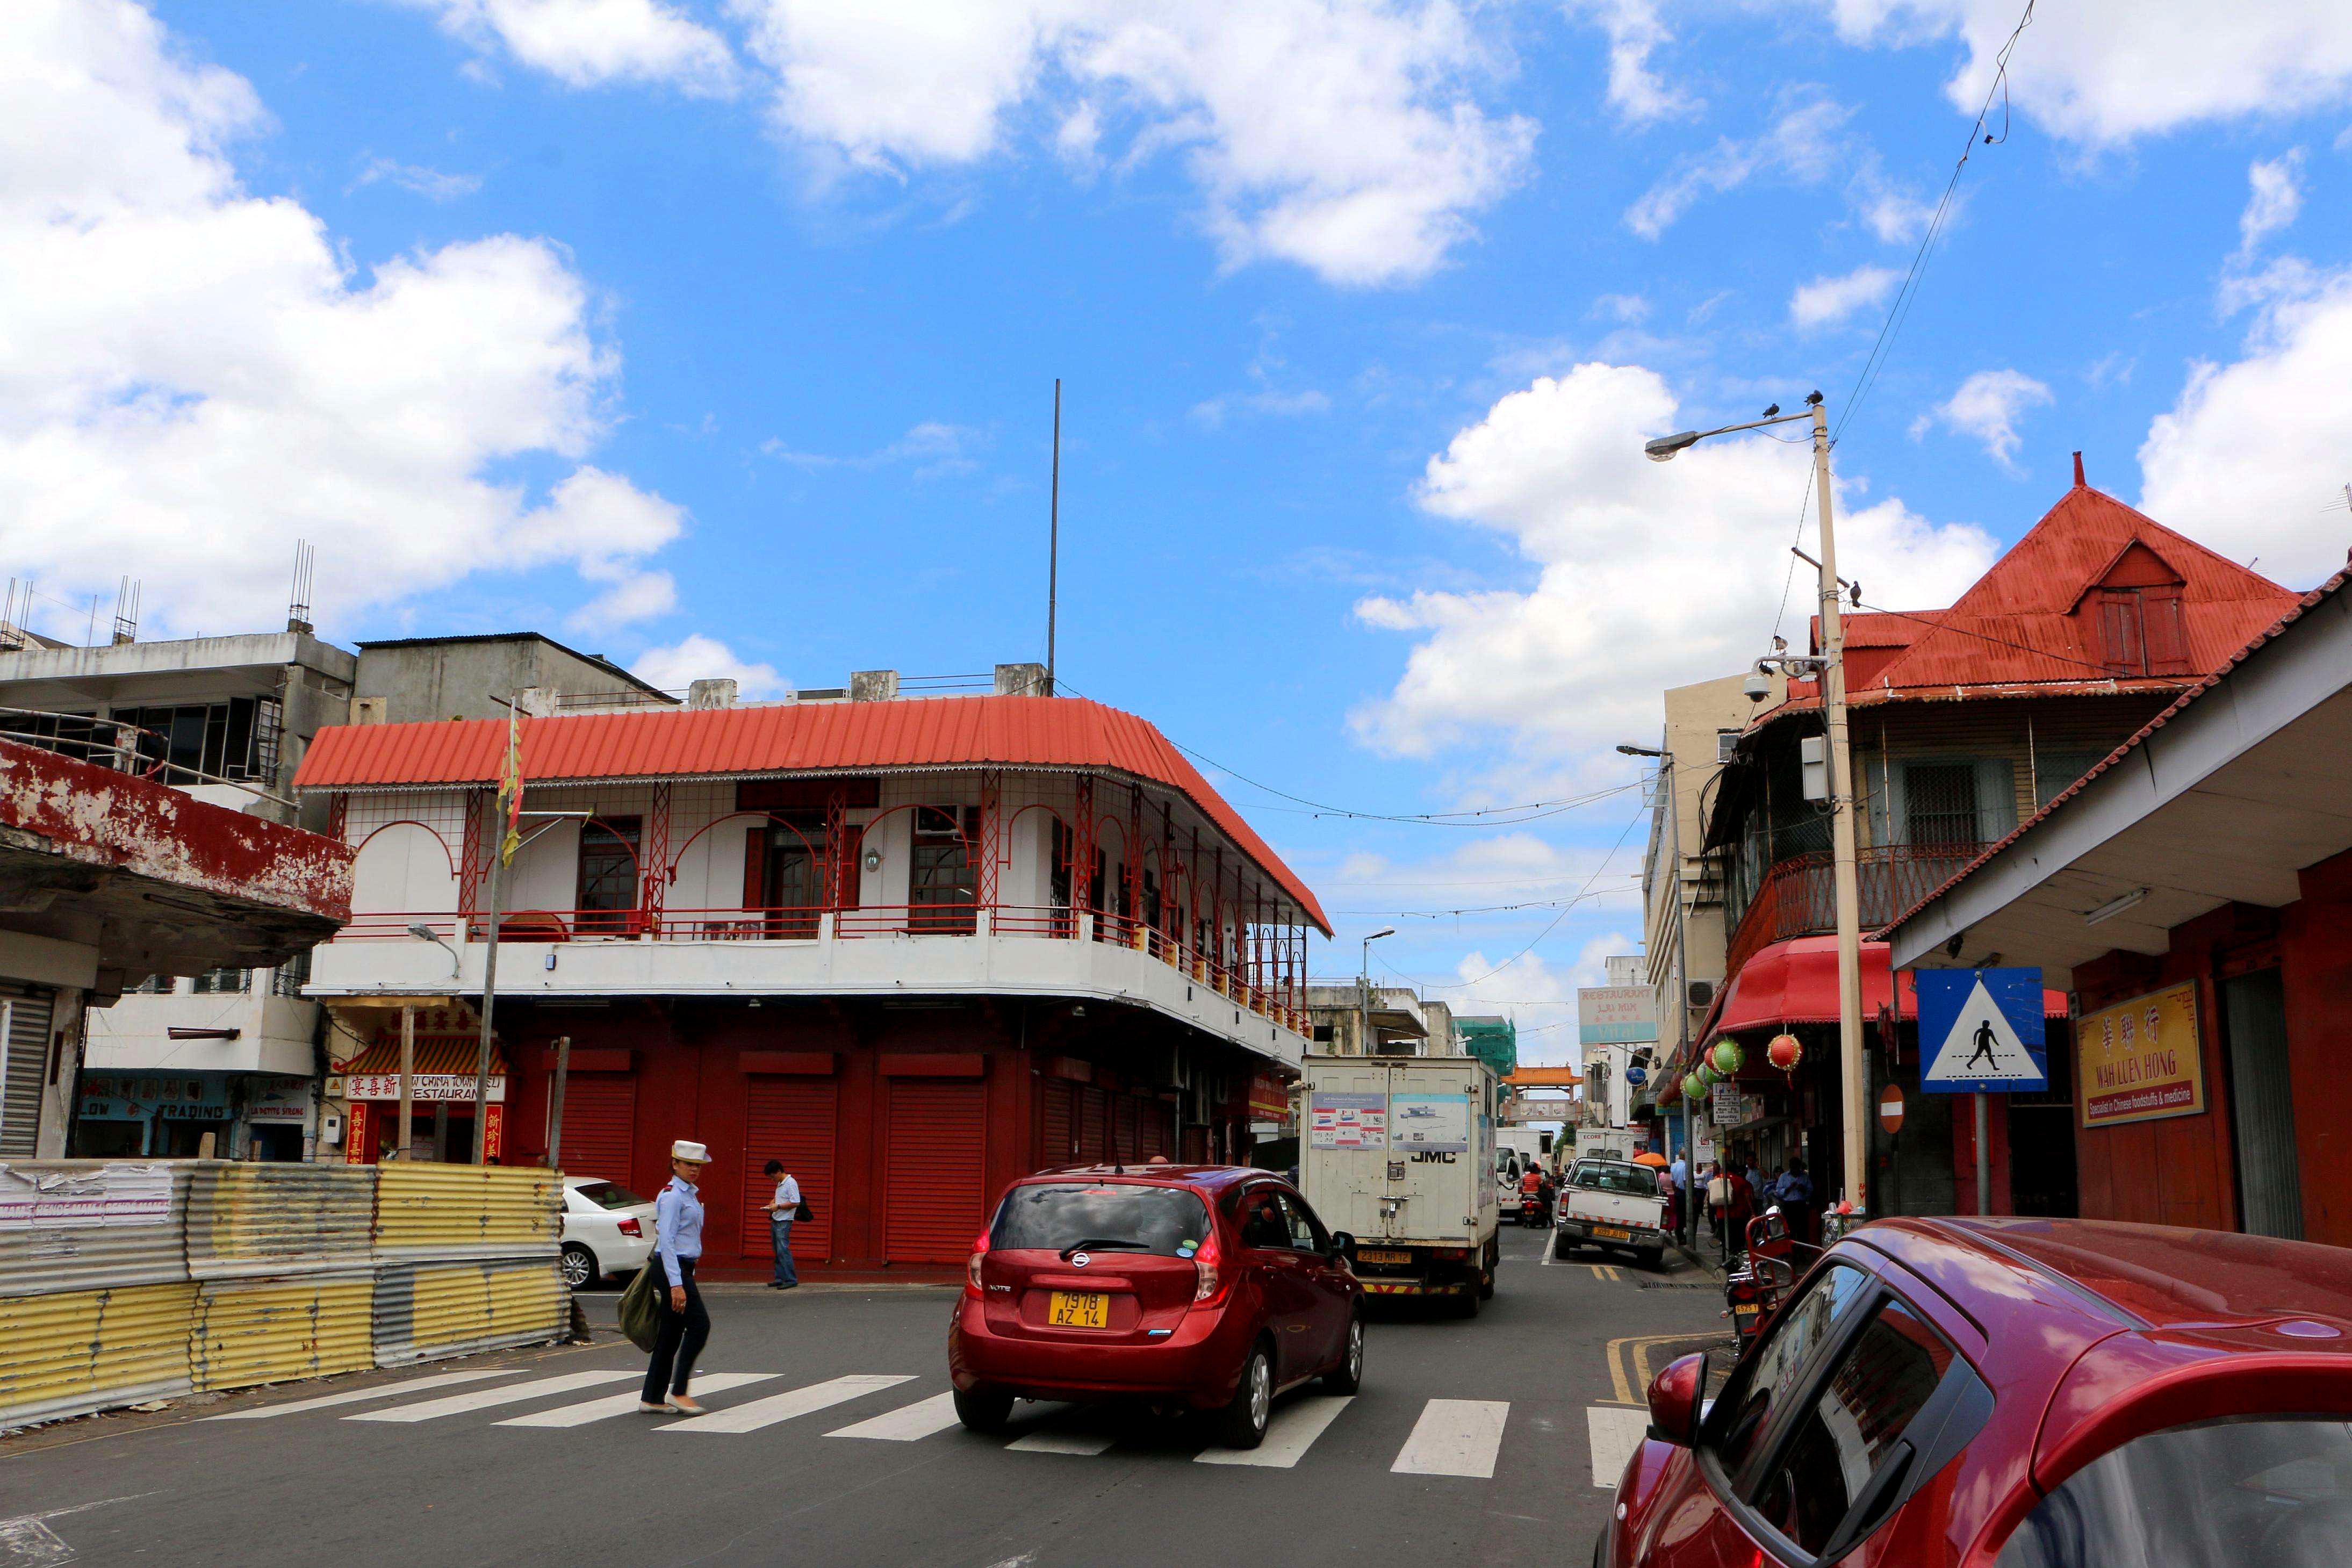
782, 1209
677, 1247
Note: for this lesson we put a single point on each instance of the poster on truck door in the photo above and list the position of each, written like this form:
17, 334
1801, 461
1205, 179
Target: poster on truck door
1429, 1124
1338, 1119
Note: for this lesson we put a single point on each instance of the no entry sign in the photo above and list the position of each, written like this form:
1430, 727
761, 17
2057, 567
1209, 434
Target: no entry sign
1890, 1109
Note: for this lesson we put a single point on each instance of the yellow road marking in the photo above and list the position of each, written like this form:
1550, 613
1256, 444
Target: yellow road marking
1639, 1357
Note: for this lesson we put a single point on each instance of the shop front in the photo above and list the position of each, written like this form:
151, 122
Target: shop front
440, 1099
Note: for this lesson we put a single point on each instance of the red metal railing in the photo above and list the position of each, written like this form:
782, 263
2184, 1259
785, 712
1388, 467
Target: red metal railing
1272, 987
1799, 895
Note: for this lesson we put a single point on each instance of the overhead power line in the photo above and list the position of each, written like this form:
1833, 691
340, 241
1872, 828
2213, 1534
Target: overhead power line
1466, 985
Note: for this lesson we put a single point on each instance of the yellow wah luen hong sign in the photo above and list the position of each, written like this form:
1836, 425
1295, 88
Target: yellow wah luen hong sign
2141, 1059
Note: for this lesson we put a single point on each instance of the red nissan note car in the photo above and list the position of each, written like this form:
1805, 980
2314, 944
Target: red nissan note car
1200, 1287
2016, 1393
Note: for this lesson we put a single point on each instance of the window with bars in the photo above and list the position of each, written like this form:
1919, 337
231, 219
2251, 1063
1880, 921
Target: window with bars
943, 888
223, 983
235, 739
153, 985
291, 975
607, 899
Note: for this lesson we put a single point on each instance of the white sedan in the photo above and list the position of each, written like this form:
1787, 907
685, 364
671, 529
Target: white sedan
607, 1230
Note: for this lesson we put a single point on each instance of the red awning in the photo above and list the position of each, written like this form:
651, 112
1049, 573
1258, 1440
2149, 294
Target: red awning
1795, 982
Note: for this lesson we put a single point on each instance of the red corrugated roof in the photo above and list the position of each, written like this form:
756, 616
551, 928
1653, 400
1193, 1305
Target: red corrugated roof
2138, 738
1061, 732
2016, 625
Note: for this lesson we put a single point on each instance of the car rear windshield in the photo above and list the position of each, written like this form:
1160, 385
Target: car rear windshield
1641, 1181
1055, 1216
2276, 1492
608, 1195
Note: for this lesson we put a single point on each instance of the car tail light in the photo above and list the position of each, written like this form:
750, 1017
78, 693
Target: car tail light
629, 1226
971, 1269
1211, 1288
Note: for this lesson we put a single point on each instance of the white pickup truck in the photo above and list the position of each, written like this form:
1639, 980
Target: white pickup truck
1613, 1204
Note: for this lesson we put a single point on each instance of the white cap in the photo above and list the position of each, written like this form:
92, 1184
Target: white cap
692, 1153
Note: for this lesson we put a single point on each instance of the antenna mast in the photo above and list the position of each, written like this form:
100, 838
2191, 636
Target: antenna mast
298, 599
1053, 542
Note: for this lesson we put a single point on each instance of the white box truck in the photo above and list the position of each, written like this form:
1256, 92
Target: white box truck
1399, 1152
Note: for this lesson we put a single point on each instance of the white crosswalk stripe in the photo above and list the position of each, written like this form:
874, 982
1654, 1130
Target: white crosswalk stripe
361, 1395
485, 1398
1454, 1438
759, 1413
1616, 1431
908, 1424
1288, 1435
1051, 1442
613, 1405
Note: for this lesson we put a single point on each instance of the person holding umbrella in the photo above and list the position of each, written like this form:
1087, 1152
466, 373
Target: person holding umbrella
677, 1247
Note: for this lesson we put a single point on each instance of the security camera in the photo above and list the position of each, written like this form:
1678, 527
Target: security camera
1757, 686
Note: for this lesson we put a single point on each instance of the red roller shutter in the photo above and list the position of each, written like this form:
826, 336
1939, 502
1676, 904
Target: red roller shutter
791, 1120
600, 1125
1155, 1128
937, 1180
1094, 1127
1128, 1145
1059, 1149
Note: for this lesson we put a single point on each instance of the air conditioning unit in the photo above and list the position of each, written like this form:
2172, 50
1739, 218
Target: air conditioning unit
1701, 993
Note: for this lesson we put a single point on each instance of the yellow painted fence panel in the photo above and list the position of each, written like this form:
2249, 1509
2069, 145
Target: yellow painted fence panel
73, 1352
271, 1330
429, 1211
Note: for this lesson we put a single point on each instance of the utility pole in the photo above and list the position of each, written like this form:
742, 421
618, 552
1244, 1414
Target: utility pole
1054, 541
1851, 1067
1364, 993
489, 997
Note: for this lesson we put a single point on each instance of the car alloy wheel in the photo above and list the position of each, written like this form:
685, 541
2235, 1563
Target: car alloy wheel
1348, 1375
1260, 1394
579, 1267
1243, 1422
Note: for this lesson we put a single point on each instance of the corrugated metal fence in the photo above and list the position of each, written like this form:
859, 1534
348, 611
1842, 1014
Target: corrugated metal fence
123, 1281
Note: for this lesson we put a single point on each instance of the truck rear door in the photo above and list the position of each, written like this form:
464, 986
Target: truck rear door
1434, 1155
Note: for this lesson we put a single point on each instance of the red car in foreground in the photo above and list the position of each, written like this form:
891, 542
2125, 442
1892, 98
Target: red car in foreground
2016, 1393
1200, 1288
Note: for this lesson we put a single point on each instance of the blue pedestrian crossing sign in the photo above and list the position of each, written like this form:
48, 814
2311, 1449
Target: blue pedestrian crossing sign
1980, 1031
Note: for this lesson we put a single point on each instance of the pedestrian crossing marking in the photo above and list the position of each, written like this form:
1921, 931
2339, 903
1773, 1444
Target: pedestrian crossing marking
358, 1395
908, 1424
759, 1413
1288, 1435
1455, 1438
611, 1405
1616, 1430
484, 1399
1053, 1442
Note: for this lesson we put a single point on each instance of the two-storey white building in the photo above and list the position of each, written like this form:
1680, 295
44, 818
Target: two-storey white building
912, 947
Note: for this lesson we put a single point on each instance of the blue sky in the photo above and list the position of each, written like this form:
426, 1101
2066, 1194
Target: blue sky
720, 338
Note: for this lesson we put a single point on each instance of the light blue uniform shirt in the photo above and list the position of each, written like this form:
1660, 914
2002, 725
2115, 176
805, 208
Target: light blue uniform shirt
677, 1226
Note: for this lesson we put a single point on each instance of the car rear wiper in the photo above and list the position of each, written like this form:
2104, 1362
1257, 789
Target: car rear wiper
1104, 1243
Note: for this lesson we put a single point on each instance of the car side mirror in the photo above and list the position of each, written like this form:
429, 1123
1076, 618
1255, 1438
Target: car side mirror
1676, 1399
1342, 1244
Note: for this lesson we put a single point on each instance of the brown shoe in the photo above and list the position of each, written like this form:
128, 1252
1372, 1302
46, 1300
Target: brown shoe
685, 1406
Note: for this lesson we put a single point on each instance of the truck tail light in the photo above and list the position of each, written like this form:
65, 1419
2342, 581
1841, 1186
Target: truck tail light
629, 1226
1212, 1286
1449, 1252
971, 1268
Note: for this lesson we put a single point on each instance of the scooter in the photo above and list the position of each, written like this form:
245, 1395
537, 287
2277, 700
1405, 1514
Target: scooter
1753, 1291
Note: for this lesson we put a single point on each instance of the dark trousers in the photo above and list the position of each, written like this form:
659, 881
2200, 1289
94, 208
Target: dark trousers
683, 1335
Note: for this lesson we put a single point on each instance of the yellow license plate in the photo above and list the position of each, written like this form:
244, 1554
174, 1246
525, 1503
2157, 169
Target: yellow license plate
1078, 1310
1745, 1311
1367, 1255
1610, 1233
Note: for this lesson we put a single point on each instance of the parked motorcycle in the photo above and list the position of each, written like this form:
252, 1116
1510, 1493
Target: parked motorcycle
1754, 1287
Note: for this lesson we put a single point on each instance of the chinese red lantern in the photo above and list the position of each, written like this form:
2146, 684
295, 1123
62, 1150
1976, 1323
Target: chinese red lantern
1785, 1052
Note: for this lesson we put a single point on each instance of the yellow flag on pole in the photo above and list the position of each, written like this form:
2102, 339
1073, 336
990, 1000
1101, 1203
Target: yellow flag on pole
510, 791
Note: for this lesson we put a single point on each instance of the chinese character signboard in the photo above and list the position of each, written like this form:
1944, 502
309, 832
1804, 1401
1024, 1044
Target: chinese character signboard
1616, 1015
2141, 1059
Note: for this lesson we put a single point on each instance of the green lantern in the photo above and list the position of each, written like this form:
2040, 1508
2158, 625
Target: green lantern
1694, 1089
1707, 1076
1728, 1057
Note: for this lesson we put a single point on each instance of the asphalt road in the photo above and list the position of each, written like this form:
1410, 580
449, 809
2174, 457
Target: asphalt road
1470, 1443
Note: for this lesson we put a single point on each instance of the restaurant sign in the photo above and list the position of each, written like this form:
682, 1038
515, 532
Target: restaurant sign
424, 1088
2141, 1059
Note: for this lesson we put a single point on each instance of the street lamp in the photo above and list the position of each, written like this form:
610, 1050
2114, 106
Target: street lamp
1364, 990
1831, 668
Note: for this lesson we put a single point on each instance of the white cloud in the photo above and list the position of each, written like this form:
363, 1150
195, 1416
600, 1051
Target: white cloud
430, 183
191, 377
2275, 199
1802, 145
1638, 93
596, 43
1628, 309
1988, 406
2104, 71
2251, 455
635, 596
1826, 301
1649, 575
932, 449
700, 658
1344, 137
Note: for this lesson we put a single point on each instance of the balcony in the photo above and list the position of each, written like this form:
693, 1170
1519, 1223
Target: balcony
1797, 895
920, 949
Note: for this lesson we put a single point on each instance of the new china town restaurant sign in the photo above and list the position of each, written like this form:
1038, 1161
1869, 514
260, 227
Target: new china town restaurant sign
2141, 1059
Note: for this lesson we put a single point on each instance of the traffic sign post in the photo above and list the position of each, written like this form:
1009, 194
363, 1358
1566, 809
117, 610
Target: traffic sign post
1981, 1033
